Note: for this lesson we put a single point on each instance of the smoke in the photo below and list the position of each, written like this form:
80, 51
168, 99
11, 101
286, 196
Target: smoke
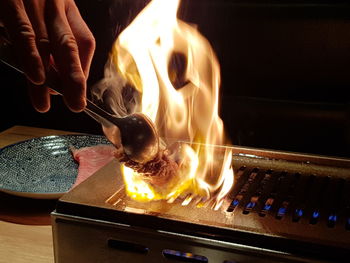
114, 94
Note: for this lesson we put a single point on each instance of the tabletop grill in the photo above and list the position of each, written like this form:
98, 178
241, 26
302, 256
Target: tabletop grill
283, 207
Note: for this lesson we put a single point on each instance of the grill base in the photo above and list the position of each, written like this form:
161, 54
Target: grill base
86, 240
88, 228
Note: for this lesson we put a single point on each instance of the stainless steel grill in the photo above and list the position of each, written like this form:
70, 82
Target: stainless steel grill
283, 207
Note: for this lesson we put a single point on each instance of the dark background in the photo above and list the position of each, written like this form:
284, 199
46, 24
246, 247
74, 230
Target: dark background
285, 71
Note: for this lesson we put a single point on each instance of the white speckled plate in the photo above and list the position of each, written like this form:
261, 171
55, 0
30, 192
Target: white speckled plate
43, 167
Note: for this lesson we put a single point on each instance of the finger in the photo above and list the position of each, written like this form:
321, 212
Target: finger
23, 36
39, 94
83, 36
35, 11
66, 55
39, 97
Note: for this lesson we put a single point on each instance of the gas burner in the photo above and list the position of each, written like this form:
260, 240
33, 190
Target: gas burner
283, 207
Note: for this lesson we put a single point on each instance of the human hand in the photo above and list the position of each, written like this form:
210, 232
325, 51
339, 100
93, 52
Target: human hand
52, 32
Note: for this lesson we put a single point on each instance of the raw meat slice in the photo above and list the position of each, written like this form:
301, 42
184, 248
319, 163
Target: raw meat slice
91, 159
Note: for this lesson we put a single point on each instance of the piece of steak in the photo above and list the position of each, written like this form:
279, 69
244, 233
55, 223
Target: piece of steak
160, 172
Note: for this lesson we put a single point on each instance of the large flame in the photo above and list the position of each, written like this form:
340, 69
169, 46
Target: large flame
175, 69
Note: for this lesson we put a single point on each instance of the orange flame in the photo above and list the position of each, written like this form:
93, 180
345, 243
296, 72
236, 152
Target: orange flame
186, 111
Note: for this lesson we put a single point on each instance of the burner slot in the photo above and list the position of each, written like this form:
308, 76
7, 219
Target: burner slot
302, 193
249, 185
344, 210
314, 202
241, 177
317, 207
332, 199
280, 194
269, 202
263, 188
288, 195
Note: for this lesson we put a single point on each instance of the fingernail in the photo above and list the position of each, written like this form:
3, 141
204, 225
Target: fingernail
42, 108
78, 96
82, 104
39, 97
76, 105
36, 75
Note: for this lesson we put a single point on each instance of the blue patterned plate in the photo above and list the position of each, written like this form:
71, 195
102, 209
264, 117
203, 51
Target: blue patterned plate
42, 167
